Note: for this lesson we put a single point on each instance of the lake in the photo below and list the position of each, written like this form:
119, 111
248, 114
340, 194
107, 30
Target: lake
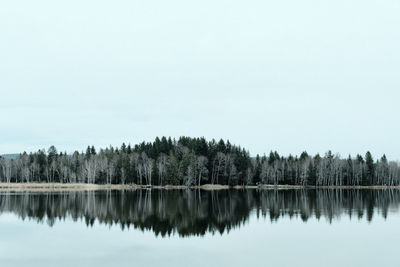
311, 227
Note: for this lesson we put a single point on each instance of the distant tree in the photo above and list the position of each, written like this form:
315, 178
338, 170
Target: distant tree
311, 174
88, 153
304, 155
370, 170
172, 170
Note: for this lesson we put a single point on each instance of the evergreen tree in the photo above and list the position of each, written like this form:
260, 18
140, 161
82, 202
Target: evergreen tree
172, 172
88, 153
311, 174
304, 155
370, 171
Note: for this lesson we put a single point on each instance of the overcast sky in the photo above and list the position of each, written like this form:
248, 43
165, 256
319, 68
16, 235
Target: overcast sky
269, 75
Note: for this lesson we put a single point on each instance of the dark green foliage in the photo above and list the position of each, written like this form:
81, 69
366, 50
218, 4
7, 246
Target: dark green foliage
172, 173
370, 170
304, 156
311, 174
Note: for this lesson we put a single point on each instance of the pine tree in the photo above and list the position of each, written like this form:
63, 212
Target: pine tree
123, 148
51, 154
370, 172
172, 172
311, 174
88, 153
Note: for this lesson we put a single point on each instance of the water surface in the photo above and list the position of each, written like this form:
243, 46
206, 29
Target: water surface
201, 228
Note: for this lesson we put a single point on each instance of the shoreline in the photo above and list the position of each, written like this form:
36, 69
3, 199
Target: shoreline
54, 187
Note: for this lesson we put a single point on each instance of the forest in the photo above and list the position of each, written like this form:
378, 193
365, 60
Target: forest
195, 162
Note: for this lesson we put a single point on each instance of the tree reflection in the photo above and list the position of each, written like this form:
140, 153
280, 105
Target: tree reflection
197, 212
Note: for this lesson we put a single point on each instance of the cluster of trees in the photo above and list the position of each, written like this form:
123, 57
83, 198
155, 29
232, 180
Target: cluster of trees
195, 161
197, 212
329, 170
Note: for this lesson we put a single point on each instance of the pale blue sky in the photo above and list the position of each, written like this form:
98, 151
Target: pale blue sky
268, 75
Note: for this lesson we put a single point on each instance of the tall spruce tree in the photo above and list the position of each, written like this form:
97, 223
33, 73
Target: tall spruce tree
370, 171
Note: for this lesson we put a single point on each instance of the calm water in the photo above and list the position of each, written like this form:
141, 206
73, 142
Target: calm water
201, 228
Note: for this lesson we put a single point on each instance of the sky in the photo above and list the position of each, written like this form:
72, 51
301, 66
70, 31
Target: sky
267, 75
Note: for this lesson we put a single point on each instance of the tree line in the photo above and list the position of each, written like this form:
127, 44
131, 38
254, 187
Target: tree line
194, 162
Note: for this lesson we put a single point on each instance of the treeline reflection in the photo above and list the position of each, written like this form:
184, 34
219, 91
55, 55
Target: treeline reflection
197, 212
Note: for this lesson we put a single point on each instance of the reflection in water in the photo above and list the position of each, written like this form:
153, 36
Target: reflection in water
196, 212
